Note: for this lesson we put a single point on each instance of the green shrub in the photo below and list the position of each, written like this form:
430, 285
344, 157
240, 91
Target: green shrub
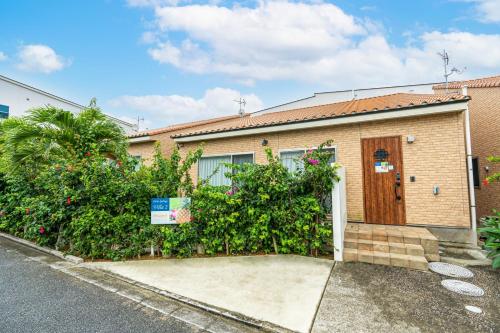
268, 208
491, 230
60, 188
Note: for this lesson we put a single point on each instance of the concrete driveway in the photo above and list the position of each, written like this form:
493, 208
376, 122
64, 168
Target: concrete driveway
284, 290
371, 298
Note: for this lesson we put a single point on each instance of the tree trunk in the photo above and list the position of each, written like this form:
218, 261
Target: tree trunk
275, 245
59, 237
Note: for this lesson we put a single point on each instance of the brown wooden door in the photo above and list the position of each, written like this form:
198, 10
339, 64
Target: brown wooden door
383, 180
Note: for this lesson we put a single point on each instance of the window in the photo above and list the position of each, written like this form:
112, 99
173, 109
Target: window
213, 168
292, 161
137, 158
4, 111
475, 172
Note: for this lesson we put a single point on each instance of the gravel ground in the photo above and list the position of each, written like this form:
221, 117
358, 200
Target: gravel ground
36, 298
371, 298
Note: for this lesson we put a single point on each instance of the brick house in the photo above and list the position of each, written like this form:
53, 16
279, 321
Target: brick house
420, 137
484, 109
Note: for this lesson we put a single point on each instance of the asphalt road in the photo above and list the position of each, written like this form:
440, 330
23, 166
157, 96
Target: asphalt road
36, 298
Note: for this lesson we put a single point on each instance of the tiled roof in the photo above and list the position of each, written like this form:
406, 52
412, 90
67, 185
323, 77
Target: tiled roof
178, 127
340, 109
485, 82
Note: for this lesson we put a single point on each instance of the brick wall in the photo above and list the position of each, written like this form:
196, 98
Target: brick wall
437, 157
146, 149
484, 112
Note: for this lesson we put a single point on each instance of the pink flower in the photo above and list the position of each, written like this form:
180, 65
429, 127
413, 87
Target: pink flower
230, 192
312, 161
310, 151
486, 182
41, 230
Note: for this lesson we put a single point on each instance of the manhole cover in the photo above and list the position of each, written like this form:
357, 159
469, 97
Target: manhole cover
450, 270
473, 309
464, 288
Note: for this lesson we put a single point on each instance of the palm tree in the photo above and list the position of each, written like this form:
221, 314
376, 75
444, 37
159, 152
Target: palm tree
48, 134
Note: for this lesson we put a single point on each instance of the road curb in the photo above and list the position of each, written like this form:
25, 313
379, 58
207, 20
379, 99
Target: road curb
59, 254
263, 325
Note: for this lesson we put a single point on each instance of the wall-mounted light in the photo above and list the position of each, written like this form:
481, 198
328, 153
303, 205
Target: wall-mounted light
410, 139
264, 142
487, 169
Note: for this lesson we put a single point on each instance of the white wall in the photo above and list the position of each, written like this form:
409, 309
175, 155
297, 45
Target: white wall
347, 95
20, 98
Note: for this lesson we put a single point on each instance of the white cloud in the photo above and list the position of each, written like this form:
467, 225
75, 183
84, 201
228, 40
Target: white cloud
488, 10
312, 42
40, 58
160, 110
3, 56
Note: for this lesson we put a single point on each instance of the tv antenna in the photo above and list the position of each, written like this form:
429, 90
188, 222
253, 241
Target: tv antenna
242, 104
139, 119
446, 61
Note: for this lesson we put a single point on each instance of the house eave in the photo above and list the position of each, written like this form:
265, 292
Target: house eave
416, 111
141, 139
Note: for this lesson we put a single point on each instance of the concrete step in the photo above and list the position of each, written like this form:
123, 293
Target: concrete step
392, 239
386, 258
381, 246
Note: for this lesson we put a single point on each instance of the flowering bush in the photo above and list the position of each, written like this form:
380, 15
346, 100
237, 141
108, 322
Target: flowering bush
267, 209
65, 191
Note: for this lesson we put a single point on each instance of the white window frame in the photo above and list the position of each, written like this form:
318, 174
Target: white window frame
231, 155
304, 150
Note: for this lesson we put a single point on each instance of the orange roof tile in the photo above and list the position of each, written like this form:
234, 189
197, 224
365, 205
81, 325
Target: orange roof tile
177, 127
339, 109
485, 82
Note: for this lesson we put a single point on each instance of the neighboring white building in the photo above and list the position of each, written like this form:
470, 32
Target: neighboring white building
16, 98
329, 97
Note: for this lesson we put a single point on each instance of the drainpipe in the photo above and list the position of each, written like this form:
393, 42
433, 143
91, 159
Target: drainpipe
468, 147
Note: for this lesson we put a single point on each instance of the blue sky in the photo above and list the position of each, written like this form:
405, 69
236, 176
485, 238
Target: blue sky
172, 61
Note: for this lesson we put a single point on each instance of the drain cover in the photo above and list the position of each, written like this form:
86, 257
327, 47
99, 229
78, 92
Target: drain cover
464, 288
450, 270
473, 309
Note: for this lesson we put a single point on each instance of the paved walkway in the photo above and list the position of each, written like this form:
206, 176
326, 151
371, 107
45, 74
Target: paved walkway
370, 298
42, 293
284, 290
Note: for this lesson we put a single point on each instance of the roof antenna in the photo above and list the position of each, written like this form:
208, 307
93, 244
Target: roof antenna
446, 61
139, 119
242, 104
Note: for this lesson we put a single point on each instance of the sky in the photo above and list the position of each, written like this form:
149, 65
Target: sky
173, 61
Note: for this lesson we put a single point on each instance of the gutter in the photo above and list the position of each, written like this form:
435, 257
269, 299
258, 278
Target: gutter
404, 112
468, 147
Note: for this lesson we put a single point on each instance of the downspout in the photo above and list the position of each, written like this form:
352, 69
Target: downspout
468, 147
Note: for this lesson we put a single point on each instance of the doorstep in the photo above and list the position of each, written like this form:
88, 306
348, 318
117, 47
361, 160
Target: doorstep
400, 246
